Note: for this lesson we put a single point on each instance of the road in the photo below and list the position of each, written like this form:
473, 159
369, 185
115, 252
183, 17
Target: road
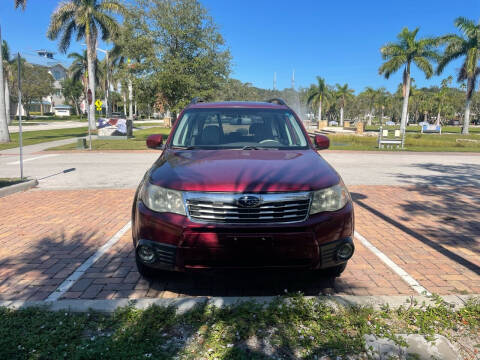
125, 169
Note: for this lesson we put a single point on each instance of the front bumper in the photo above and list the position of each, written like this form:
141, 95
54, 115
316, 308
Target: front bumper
181, 244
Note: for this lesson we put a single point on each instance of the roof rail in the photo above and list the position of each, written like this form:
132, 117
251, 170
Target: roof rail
196, 100
277, 101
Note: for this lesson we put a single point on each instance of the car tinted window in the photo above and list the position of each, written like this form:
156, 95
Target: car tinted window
238, 128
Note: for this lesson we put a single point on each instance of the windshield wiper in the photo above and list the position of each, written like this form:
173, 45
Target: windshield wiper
249, 147
184, 147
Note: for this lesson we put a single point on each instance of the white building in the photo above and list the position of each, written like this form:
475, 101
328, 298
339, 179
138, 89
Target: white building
58, 70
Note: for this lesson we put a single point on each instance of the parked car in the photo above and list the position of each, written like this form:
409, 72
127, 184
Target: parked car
333, 123
389, 123
241, 185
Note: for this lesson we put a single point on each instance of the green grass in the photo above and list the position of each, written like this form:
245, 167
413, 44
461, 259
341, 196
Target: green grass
9, 181
53, 118
138, 123
413, 142
293, 327
136, 143
35, 137
417, 129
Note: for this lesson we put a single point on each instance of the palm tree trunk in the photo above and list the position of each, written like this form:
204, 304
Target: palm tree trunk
130, 99
438, 118
91, 56
319, 113
403, 121
124, 103
466, 118
341, 116
4, 134
7, 103
370, 118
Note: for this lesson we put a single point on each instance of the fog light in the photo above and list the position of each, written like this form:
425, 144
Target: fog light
146, 253
345, 251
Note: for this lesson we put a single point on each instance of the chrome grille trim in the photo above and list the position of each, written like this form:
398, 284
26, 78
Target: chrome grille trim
222, 208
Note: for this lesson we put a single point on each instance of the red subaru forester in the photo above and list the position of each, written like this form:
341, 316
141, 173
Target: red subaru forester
240, 185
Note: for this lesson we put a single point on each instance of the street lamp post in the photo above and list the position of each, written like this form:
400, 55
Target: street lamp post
107, 92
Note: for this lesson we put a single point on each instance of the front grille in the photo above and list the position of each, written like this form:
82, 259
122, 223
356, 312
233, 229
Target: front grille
274, 208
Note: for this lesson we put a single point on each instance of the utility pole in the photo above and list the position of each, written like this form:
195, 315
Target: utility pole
274, 81
293, 79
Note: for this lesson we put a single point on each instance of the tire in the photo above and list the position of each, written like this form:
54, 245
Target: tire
335, 271
146, 271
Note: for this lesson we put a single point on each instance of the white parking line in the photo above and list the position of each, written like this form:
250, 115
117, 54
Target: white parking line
396, 269
77, 274
31, 159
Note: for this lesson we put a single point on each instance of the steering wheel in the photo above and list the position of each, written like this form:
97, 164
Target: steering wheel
269, 140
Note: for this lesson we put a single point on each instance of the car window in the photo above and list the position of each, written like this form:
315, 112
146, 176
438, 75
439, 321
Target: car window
238, 128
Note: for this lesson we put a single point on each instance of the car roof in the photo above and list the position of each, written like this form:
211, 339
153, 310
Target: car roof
237, 104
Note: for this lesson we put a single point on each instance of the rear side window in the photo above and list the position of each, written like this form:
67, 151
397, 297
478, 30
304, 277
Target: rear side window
237, 128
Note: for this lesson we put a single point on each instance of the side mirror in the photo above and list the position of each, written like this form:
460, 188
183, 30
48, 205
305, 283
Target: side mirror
155, 141
322, 142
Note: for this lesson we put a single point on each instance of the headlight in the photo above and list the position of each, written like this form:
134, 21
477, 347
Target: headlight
329, 199
160, 199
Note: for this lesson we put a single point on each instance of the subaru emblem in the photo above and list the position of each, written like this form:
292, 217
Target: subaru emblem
248, 201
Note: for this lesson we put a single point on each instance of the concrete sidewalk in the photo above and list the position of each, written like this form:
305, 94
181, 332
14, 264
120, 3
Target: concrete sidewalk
50, 125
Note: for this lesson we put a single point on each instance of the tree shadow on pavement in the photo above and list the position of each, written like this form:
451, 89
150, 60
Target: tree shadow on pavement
40, 266
441, 175
440, 217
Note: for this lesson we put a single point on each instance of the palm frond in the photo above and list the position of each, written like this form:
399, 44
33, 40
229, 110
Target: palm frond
20, 3
467, 26
424, 65
67, 36
63, 14
112, 6
108, 25
455, 49
392, 65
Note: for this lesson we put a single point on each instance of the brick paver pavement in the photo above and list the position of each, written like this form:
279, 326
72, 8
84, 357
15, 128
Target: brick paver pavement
46, 235
432, 233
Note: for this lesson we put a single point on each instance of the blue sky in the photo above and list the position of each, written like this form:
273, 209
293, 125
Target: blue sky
338, 40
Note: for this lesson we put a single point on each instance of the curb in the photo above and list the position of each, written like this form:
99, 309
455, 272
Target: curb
187, 303
12, 189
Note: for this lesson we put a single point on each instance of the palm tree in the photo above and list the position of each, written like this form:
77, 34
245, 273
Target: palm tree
79, 69
343, 93
441, 96
4, 134
6, 77
381, 99
117, 60
20, 3
371, 95
317, 94
467, 45
403, 53
87, 18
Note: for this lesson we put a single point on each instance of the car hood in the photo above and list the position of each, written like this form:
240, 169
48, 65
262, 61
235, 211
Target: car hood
242, 170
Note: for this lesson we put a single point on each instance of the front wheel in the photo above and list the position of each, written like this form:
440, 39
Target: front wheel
335, 271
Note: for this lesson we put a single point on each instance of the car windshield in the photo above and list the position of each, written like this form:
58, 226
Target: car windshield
239, 129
